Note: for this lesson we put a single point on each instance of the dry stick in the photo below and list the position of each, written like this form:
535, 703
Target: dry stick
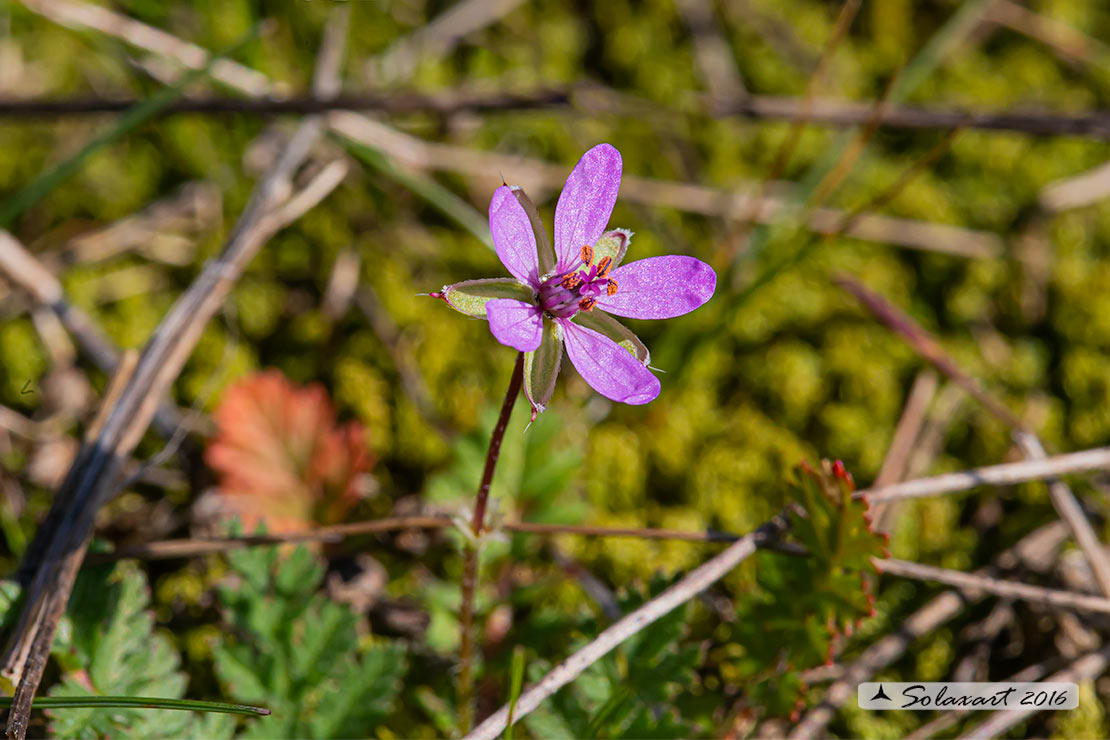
928, 347
1095, 124
925, 344
534, 175
471, 547
909, 427
1064, 39
190, 547
992, 475
711, 50
924, 621
51, 562
400, 102
799, 110
25, 271
1086, 668
976, 585
435, 38
690, 586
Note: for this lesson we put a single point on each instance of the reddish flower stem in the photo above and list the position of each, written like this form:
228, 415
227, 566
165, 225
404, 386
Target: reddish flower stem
470, 552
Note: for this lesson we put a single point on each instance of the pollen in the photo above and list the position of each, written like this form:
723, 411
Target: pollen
587, 254
611, 287
571, 281
603, 266
587, 304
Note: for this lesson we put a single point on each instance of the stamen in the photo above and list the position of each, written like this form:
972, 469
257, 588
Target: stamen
571, 281
611, 287
587, 304
603, 266
587, 253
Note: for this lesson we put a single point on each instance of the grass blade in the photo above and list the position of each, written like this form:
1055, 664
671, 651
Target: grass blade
517, 683
438, 196
138, 702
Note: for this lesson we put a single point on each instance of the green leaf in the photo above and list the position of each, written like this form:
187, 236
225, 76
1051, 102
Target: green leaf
541, 368
112, 660
301, 651
602, 322
516, 683
470, 296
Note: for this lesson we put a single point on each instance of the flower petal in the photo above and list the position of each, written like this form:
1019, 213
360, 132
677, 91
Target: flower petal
610, 369
659, 287
603, 323
586, 202
541, 368
515, 324
513, 237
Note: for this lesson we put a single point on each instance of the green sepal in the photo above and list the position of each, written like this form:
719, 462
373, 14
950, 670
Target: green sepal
612, 244
605, 324
470, 296
544, 251
541, 367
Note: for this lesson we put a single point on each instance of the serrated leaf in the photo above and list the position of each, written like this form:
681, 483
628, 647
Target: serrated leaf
471, 296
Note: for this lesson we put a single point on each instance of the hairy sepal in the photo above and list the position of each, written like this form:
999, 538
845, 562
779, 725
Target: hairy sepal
470, 296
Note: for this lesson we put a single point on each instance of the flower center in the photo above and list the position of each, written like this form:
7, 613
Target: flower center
576, 290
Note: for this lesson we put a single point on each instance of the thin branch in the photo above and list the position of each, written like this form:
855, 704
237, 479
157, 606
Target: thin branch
1005, 474
399, 103
976, 585
711, 50
690, 586
1095, 124
437, 37
910, 423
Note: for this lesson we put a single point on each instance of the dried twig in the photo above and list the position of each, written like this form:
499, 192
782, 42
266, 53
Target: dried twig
690, 586
896, 461
711, 50
992, 475
438, 36
976, 585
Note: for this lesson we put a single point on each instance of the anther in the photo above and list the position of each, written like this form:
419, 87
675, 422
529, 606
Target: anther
603, 266
611, 287
587, 254
571, 281
587, 304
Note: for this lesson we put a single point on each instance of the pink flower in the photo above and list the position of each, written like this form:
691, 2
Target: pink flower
565, 297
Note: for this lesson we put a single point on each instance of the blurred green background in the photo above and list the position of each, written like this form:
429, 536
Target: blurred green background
754, 382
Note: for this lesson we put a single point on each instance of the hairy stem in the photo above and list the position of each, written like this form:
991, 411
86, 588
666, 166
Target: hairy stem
470, 552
